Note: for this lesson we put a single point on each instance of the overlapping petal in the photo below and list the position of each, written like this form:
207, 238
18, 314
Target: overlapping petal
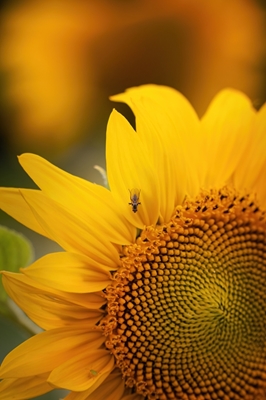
50, 308
24, 388
12, 202
170, 155
112, 388
68, 272
80, 197
129, 166
168, 126
22, 283
48, 350
70, 230
83, 370
251, 171
225, 135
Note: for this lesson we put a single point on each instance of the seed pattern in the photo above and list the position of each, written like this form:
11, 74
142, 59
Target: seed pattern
187, 309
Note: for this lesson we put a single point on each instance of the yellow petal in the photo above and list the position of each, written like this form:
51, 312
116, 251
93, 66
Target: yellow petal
83, 370
112, 388
68, 272
226, 128
167, 123
93, 203
46, 351
70, 231
19, 283
84, 394
164, 154
39, 304
171, 102
24, 388
14, 204
129, 166
251, 171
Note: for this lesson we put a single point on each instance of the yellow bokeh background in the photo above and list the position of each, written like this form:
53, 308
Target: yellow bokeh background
62, 59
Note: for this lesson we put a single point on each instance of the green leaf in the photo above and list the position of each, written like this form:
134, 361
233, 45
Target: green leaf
15, 252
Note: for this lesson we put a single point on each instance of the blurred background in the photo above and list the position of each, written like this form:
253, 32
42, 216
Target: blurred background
60, 60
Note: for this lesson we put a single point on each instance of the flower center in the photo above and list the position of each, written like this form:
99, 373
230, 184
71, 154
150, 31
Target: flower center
187, 309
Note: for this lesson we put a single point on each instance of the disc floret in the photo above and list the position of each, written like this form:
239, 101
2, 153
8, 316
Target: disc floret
185, 310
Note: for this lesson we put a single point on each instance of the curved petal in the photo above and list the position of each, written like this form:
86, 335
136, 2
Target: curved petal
251, 172
70, 231
112, 388
83, 370
226, 130
38, 302
169, 101
48, 350
24, 388
92, 202
68, 272
169, 126
85, 393
14, 204
128, 166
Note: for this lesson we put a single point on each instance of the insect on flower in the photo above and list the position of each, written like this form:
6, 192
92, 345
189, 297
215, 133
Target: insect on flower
134, 197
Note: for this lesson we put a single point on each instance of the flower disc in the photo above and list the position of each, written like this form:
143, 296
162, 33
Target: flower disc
186, 311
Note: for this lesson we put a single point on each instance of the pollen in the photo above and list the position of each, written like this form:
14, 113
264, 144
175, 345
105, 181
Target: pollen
187, 309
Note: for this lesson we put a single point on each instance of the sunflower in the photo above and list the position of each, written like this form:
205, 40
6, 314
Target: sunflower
159, 292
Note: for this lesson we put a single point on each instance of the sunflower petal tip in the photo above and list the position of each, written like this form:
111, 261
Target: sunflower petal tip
25, 156
114, 111
114, 114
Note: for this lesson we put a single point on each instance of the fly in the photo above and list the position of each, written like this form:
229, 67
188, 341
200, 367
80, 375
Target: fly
134, 197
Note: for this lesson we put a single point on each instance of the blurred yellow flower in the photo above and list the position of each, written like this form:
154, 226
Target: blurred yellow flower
167, 302
61, 59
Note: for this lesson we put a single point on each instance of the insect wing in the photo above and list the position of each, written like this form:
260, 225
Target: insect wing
134, 195
134, 198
